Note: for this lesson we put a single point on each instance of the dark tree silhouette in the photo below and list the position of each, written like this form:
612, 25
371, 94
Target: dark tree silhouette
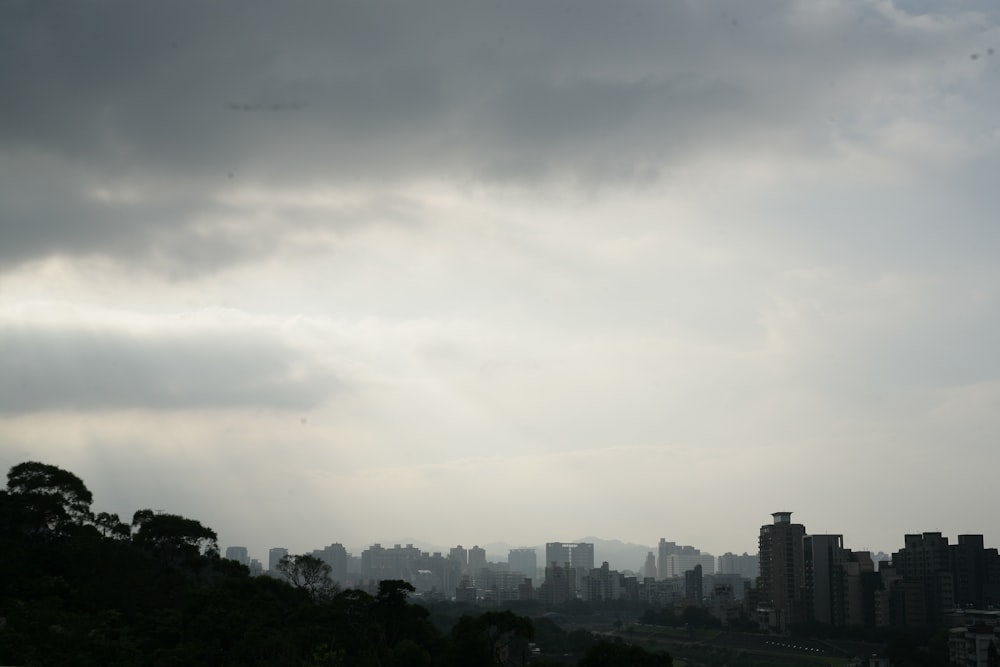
173, 535
310, 574
617, 653
110, 525
52, 498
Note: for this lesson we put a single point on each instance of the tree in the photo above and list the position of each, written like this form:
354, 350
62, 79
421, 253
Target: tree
52, 498
173, 535
111, 526
308, 573
617, 653
492, 638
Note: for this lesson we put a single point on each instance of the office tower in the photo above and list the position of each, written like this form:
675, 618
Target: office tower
782, 573
524, 561
274, 556
238, 554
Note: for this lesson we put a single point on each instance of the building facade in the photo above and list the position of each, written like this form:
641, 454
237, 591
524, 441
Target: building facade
782, 571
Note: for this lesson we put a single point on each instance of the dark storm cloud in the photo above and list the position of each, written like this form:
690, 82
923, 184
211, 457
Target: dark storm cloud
70, 369
190, 97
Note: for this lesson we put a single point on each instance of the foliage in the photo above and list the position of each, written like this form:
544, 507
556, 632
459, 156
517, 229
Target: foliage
112, 526
51, 499
173, 535
492, 638
616, 653
91, 590
308, 573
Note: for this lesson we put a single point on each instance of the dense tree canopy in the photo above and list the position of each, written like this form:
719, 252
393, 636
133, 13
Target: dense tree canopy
90, 590
173, 535
51, 498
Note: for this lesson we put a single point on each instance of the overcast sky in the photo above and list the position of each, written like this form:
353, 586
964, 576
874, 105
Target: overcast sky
515, 271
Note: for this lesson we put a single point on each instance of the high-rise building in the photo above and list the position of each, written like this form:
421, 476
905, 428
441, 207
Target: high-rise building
399, 562
976, 573
523, 560
782, 572
460, 556
649, 569
477, 561
693, 591
745, 565
860, 585
602, 583
238, 554
676, 559
274, 557
334, 555
559, 586
577, 555
928, 587
823, 557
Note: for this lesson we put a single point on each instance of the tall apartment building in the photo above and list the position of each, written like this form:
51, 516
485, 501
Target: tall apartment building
477, 561
928, 587
334, 555
602, 584
559, 586
782, 570
399, 562
675, 560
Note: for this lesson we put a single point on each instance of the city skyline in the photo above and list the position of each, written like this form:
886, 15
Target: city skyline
370, 271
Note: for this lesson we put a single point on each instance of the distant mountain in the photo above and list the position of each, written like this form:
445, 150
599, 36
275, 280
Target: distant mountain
620, 555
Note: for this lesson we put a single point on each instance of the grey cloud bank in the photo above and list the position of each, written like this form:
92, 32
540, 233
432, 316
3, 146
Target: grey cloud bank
139, 102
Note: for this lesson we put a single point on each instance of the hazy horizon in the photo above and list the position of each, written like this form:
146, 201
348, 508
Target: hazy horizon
327, 272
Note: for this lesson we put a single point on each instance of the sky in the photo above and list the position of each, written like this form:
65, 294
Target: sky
468, 272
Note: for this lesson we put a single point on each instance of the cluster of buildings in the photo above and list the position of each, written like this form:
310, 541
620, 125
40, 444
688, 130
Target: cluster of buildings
795, 578
675, 574
813, 578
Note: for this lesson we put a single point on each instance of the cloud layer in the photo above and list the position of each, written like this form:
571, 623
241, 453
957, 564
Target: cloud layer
565, 263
